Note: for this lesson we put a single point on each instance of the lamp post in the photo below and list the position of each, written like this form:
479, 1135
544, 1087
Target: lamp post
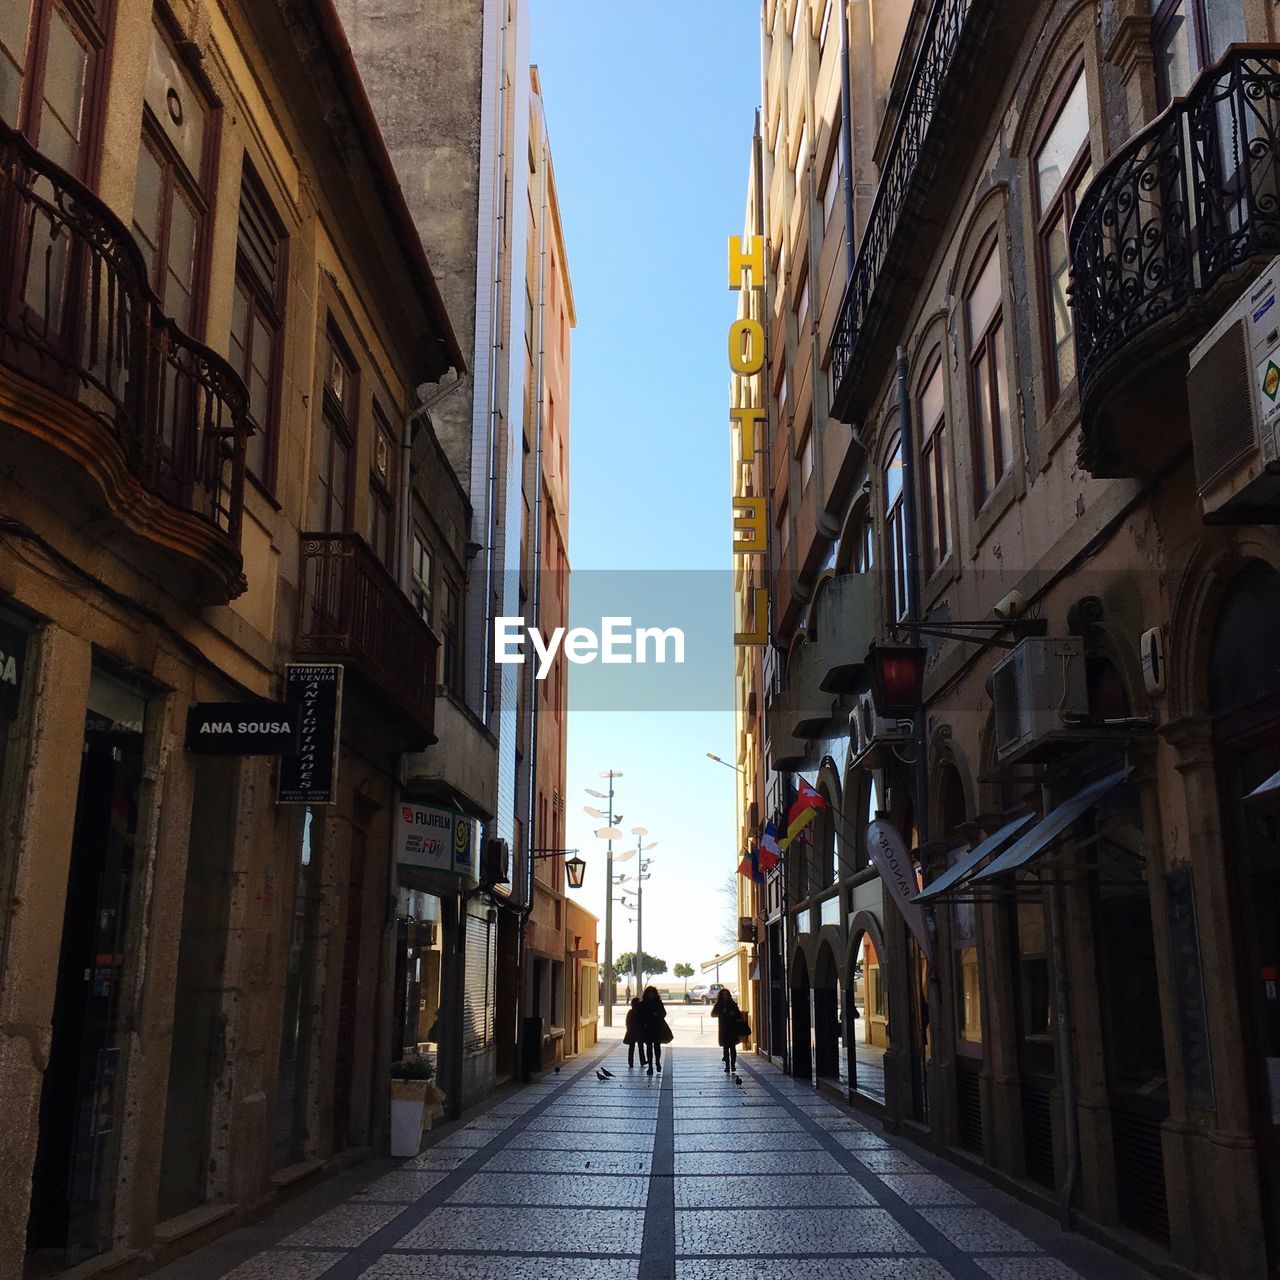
642, 866
575, 867
609, 833
711, 755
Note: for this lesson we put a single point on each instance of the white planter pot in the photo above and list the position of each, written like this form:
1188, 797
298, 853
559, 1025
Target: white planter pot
406, 1125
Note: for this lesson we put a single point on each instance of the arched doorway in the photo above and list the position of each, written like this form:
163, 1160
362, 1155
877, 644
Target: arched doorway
868, 1011
801, 1032
1244, 698
826, 1014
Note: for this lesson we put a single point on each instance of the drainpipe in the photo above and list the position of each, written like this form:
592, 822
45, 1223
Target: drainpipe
846, 138
1066, 1054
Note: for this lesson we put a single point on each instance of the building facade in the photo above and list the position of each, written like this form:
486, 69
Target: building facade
997, 256
218, 327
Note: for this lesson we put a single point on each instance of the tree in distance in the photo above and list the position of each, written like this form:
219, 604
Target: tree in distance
684, 971
626, 964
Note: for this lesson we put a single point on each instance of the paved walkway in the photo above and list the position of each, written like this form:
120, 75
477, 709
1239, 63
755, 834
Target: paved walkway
687, 1175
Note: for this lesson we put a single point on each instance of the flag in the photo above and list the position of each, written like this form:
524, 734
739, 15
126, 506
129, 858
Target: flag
808, 802
770, 849
750, 867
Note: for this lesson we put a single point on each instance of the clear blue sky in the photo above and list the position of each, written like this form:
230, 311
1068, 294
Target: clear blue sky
650, 122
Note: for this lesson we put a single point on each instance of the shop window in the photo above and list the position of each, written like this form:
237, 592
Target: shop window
257, 320
1063, 169
1189, 35
935, 465
988, 376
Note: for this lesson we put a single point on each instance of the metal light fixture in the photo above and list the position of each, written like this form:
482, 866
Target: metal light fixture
896, 672
575, 870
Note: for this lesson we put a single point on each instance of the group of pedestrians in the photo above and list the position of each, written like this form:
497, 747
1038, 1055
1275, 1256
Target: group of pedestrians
648, 1029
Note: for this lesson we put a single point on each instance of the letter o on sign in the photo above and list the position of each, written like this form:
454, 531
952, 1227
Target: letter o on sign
746, 347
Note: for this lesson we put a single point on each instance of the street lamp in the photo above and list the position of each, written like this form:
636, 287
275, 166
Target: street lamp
711, 755
641, 877
575, 867
896, 673
610, 833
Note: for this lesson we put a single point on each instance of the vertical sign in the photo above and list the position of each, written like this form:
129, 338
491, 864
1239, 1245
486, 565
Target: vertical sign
746, 360
311, 776
1188, 985
889, 855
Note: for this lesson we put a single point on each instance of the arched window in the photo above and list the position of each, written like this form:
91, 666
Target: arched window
988, 374
1063, 168
895, 542
935, 465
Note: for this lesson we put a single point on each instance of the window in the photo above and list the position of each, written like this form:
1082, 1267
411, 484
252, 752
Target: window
1188, 35
935, 470
802, 157
332, 510
827, 11
451, 640
802, 302
798, 7
382, 491
782, 396
48, 65
784, 531
895, 544
420, 568
257, 314
1062, 171
835, 180
169, 203
806, 457
988, 376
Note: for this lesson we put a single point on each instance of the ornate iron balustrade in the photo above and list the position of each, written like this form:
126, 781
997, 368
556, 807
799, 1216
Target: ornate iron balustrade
1185, 202
353, 610
78, 317
897, 187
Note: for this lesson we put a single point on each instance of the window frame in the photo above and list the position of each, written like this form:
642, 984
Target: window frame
895, 542
272, 307
1062, 207
977, 348
936, 489
382, 494
338, 421
1200, 50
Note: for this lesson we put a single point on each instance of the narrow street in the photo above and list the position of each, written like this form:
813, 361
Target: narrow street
685, 1174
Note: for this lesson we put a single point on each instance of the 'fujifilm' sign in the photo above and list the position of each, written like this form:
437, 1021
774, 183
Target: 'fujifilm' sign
617, 642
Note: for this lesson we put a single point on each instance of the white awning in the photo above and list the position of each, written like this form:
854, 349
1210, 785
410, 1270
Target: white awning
974, 858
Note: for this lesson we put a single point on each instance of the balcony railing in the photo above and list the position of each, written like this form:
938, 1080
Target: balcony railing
353, 611
1183, 204
899, 188
79, 318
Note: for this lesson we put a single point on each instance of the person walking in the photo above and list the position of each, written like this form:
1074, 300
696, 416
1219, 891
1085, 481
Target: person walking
732, 1027
655, 1031
632, 1037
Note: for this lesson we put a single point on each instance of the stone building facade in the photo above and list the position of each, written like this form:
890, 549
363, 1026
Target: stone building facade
1051, 206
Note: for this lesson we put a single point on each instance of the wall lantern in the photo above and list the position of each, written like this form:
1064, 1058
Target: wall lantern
575, 869
896, 673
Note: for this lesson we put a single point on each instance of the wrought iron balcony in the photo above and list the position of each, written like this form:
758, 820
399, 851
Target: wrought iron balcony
952, 38
1185, 206
91, 366
353, 611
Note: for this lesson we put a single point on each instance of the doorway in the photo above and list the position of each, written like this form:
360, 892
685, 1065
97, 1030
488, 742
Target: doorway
826, 1015
801, 1029
73, 1182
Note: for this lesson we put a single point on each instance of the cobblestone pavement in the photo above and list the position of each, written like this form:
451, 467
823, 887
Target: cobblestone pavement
686, 1175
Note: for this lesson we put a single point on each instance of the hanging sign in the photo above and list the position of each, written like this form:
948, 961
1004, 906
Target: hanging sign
13, 656
433, 839
310, 776
242, 729
889, 855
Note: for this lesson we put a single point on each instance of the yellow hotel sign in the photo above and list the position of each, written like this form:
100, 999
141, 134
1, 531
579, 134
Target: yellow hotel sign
746, 360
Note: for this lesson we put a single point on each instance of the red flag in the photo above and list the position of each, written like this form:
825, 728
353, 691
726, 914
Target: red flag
806, 798
767, 859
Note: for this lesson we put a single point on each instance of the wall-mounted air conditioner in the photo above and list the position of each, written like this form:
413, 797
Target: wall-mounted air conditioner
497, 861
869, 731
1041, 697
1233, 394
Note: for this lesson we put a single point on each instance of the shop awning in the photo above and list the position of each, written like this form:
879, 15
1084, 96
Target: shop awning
1267, 796
1049, 828
974, 858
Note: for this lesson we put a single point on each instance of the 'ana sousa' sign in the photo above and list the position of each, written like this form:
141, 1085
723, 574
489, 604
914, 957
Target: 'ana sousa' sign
746, 360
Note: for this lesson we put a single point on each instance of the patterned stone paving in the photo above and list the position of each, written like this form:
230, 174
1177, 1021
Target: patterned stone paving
685, 1176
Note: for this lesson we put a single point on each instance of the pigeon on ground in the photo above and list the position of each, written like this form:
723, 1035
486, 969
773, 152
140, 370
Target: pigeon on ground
600, 1075
557, 1071
738, 1081
607, 1072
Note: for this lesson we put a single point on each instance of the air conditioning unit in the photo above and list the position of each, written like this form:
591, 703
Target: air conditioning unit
1233, 392
1041, 697
497, 862
869, 731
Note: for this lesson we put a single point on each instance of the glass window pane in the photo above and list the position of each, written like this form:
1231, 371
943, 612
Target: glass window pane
944, 488
893, 477
1069, 134
984, 298
981, 373
1004, 422
1225, 22
14, 16
65, 65
181, 264
1057, 268
146, 207
932, 402
338, 487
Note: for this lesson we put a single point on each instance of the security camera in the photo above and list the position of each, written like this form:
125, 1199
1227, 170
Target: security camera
1010, 606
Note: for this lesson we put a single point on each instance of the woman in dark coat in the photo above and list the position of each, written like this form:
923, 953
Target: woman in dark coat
655, 1031
632, 1038
730, 1018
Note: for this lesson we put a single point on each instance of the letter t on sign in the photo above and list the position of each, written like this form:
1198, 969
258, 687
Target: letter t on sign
751, 261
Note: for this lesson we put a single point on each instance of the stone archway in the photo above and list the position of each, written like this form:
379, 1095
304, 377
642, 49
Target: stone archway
826, 1014
867, 982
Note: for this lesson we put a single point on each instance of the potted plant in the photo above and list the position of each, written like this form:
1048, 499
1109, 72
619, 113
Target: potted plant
415, 1102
